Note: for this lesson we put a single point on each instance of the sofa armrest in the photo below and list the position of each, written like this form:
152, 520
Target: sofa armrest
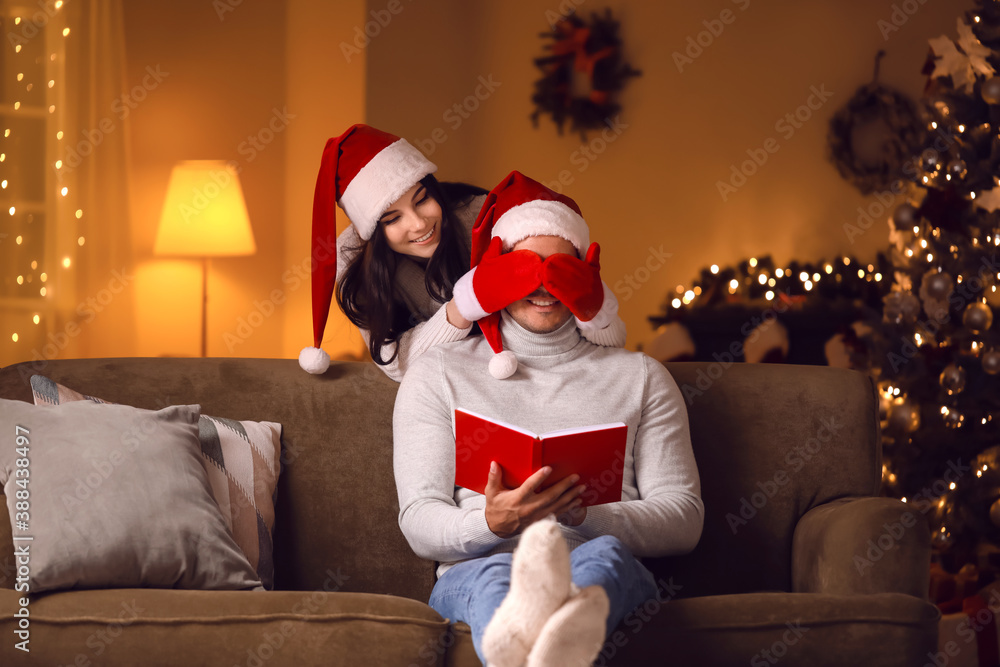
860, 546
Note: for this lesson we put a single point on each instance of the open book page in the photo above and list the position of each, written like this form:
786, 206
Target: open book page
499, 422
581, 429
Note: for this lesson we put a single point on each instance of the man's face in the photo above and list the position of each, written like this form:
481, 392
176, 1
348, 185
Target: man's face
540, 312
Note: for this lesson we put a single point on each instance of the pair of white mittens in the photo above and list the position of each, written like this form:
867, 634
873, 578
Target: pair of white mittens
545, 620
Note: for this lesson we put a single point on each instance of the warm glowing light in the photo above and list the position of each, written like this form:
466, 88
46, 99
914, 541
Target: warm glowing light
20, 75
934, 124
17, 21
769, 295
930, 257
20, 280
18, 240
753, 261
903, 499
961, 128
916, 229
14, 337
59, 4
772, 282
52, 108
979, 473
3, 184
803, 276
909, 253
34, 265
36, 319
926, 180
79, 213
51, 83
17, 49
6, 132
11, 210
42, 291
815, 277
952, 486
80, 241
972, 195
66, 262
59, 134
689, 296
808, 285
714, 269
64, 191
828, 268
976, 19
861, 273
923, 243
780, 273
58, 164
733, 284
44, 276
65, 32
17, 105
676, 303
847, 261
762, 279
878, 276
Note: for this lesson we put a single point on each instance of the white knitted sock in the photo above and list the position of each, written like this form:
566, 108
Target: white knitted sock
573, 636
539, 585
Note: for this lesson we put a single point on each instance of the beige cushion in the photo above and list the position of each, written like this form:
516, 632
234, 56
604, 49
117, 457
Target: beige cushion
242, 462
114, 496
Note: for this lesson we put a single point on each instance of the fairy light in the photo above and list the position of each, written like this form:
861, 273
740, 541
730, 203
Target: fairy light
762, 279
80, 241
733, 284
36, 319
676, 303
65, 32
828, 268
79, 213
803, 276
861, 272
64, 191
66, 262
847, 261
930, 257
20, 280
769, 295
951, 486
961, 128
14, 337
43, 291
44, 277
923, 243
808, 285
933, 124
815, 277
878, 277
772, 282
19, 239
753, 261
714, 269
780, 273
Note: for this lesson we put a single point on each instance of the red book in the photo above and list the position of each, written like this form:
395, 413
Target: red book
595, 453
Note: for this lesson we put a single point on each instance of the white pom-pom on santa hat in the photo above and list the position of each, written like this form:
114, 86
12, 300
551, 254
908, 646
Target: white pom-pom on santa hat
314, 360
503, 364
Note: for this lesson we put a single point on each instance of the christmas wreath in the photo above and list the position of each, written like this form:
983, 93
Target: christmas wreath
873, 136
582, 74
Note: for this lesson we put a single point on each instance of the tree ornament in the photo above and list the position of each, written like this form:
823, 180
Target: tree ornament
936, 285
953, 417
995, 513
904, 416
978, 317
990, 90
930, 161
872, 137
991, 361
957, 169
952, 378
900, 307
905, 216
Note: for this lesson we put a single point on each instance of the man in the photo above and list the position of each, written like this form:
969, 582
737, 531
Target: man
524, 606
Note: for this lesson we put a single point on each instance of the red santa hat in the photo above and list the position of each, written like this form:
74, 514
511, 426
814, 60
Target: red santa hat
515, 209
365, 171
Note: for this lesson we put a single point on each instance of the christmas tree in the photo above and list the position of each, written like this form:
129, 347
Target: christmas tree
934, 354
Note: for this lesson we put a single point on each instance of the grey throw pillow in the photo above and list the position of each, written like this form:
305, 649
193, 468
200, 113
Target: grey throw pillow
113, 496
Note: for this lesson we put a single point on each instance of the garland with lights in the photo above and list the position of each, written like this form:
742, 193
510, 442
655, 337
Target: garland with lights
583, 74
35, 89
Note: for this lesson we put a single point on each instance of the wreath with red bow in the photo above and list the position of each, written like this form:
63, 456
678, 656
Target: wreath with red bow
583, 73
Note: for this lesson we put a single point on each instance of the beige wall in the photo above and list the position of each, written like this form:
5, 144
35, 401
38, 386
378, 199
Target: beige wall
655, 185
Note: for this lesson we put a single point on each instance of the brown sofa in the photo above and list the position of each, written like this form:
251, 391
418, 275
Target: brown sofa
798, 562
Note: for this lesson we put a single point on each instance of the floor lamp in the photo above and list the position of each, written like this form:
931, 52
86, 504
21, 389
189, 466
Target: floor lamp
204, 215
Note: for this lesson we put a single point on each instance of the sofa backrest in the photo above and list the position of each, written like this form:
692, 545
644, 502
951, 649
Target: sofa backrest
771, 442
336, 510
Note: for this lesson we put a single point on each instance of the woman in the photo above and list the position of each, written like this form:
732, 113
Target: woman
398, 262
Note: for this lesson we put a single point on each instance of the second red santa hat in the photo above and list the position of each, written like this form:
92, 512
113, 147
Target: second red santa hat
364, 170
515, 209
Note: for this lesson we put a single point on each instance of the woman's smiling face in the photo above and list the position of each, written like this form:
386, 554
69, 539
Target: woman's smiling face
412, 224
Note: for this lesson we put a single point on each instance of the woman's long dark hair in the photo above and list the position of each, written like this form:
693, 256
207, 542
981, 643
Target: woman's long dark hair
365, 293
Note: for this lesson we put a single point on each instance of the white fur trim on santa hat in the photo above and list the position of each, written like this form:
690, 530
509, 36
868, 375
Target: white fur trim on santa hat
543, 217
386, 178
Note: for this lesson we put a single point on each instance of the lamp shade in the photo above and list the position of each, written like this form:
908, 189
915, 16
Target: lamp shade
204, 214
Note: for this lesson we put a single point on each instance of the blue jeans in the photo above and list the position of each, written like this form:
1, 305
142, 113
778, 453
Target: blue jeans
472, 590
